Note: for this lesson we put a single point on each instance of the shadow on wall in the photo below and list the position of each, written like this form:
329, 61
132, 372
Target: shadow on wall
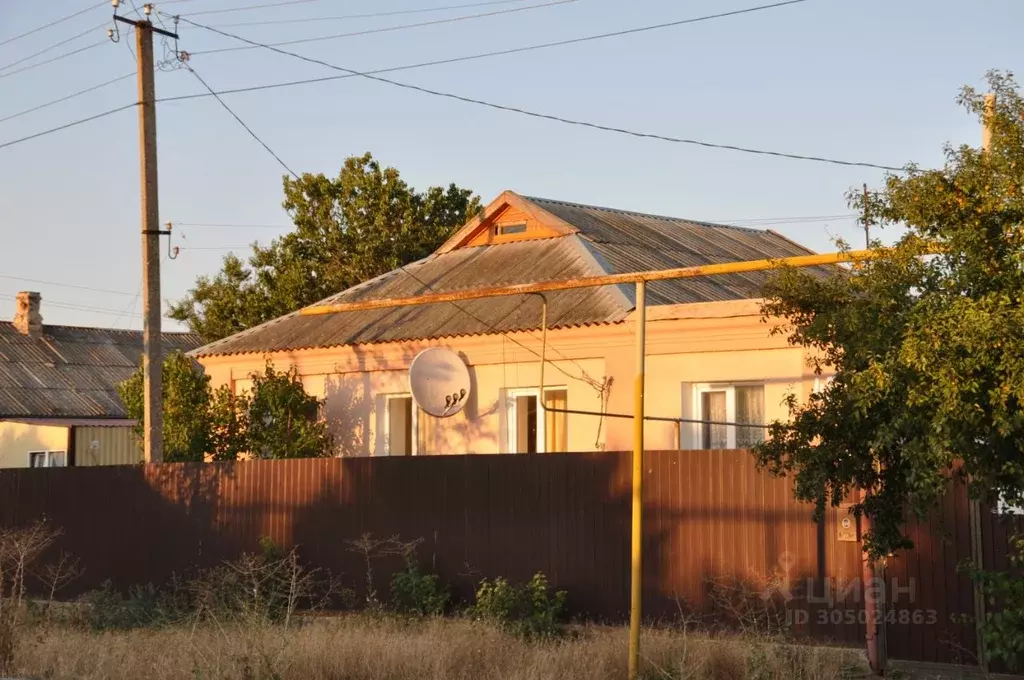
709, 516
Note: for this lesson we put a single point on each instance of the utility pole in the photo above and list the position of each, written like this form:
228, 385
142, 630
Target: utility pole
152, 356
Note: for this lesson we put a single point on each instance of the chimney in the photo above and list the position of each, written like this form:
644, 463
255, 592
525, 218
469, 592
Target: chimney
27, 319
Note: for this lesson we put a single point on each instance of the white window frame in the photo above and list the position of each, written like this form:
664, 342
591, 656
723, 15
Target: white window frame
47, 456
388, 398
510, 421
700, 389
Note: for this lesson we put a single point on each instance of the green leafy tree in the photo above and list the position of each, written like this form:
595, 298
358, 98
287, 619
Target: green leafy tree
229, 424
186, 401
361, 224
284, 421
925, 341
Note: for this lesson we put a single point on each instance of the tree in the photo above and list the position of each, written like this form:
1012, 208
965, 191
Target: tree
925, 341
186, 400
284, 421
362, 224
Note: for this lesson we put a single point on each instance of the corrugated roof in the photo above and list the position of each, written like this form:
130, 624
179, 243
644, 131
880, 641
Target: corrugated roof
609, 241
70, 371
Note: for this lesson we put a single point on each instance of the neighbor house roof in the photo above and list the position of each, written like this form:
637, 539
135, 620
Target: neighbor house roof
71, 372
588, 241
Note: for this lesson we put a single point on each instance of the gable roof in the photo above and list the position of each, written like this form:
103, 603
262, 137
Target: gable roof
595, 241
70, 371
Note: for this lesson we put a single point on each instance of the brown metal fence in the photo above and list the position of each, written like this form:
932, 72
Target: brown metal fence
710, 518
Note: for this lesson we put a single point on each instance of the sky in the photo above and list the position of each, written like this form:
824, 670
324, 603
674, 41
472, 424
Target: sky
870, 80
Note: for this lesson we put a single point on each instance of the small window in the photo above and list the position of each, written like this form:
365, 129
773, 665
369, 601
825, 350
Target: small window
528, 431
509, 229
399, 425
732, 416
41, 459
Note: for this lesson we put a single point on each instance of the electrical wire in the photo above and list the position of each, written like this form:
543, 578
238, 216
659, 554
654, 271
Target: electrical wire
422, 10
65, 126
64, 55
246, 8
389, 29
84, 308
233, 226
562, 119
65, 285
241, 122
54, 46
67, 97
53, 23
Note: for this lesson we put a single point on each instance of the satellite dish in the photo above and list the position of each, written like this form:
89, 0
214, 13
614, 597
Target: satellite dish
439, 382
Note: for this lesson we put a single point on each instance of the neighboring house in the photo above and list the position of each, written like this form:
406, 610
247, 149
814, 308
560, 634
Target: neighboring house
58, 390
709, 355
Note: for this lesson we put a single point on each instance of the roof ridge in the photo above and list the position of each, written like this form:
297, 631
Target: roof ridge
623, 211
123, 331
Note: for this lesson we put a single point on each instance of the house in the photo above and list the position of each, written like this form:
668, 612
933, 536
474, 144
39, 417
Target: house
58, 390
709, 355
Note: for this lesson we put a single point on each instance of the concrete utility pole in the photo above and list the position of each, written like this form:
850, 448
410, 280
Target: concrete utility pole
152, 362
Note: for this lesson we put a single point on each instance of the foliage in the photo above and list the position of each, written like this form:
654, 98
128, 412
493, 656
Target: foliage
526, 609
276, 419
349, 229
186, 400
415, 592
284, 421
925, 341
1003, 627
229, 424
372, 549
144, 606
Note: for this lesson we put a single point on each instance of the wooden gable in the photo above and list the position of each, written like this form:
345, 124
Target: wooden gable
507, 219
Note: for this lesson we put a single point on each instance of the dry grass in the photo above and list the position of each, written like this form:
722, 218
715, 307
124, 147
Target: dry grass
360, 648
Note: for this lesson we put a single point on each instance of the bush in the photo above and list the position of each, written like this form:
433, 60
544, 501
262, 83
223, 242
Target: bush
1003, 627
144, 606
417, 593
526, 609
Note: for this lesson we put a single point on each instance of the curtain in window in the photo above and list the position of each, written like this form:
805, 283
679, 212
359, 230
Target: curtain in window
749, 409
713, 408
400, 426
554, 423
426, 425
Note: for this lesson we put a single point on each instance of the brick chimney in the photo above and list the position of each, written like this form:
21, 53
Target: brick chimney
27, 319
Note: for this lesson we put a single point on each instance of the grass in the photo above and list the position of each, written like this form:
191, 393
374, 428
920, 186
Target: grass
365, 648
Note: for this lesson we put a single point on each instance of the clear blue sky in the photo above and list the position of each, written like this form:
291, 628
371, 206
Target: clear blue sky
873, 80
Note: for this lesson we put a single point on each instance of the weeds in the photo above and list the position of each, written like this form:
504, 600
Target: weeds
527, 609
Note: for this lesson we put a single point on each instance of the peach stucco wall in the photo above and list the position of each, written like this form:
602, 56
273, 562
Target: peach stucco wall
18, 439
686, 345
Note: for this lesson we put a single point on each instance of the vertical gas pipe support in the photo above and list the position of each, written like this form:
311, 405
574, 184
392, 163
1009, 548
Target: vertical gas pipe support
636, 574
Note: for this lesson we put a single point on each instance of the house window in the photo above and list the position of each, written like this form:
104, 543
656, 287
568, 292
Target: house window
41, 459
724, 410
399, 425
509, 229
532, 429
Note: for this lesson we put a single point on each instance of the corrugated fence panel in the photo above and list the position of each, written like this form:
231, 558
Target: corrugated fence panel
710, 518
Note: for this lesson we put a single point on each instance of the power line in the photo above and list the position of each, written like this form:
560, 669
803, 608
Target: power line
65, 126
64, 285
67, 97
64, 55
110, 112
233, 226
246, 8
84, 308
422, 10
52, 23
389, 29
570, 121
53, 46
242, 122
